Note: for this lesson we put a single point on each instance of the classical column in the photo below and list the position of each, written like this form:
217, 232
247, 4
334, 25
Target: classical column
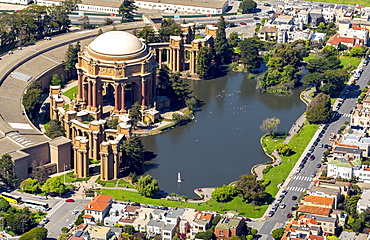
142, 67
89, 102
85, 164
95, 94
160, 58
96, 147
178, 60
76, 162
79, 77
122, 96
116, 96
170, 63
154, 87
91, 146
143, 92
115, 165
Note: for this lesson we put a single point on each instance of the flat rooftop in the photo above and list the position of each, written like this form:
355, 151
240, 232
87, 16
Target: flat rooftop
193, 3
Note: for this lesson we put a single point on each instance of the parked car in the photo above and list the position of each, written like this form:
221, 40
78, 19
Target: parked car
289, 215
294, 198
313, 175
283, 205
267, 4
284, 192
74, 212
242, 23
271, 213
318, 165
366, 62
70, 200
312, 157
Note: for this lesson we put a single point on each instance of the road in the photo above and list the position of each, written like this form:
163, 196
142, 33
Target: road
302, 181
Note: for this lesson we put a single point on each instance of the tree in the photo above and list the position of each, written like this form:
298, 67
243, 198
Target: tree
31, 99
181, 90
80, 219
249, 53
334, 82
108, 21
204, 59
85, 22
112, 123
135, 114
71, 58
7, 170
233, 39
323, 63
356, 52
4, 205
55, 80
64, 229
224, 193
128, 229
38, 233
246, 6
270, 125
221, 45
147, 186
55, 129
277, 233
20, 221
54, 184
38, 173
63, 236
207, 235
250, 189
284, 149
319, 110
169, 28
134, 150
147, 33
312, 79
30, 185
127, 9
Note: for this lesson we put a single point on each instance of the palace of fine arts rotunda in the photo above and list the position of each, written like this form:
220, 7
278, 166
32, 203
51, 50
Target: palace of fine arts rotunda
114, 72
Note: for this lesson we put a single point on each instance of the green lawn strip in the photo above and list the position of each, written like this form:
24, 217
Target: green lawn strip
269, 143
346, 2
237, 204
111, 183
347, 62
310, 56
70, 178
46, 126
299, 142
123, 183
69, 93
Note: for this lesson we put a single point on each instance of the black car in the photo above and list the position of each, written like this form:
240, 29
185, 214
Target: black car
267, 5
256, 18
135, 204
366, 62
294, 197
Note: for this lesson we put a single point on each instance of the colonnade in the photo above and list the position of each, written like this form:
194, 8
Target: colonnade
175, 59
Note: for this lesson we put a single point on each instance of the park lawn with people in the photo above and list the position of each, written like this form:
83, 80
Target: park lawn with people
348, 62
299, 143
269, 143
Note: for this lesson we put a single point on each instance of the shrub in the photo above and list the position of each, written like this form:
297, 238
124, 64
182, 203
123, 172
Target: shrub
267, 169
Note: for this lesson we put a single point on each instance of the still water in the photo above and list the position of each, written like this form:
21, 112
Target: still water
223, 142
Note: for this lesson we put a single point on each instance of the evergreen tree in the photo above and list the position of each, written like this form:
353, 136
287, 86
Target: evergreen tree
7, 173
55, 80
204, 59
71, 58
135, 114
221, 46
181, 90
55, 129
127, 9
247, 6
319, 110
134, 153
85, 22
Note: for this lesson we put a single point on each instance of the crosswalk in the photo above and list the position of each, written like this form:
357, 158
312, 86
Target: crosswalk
342, 114
296, 189
302, 178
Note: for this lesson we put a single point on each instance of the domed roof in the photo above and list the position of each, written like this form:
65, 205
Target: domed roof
116, 43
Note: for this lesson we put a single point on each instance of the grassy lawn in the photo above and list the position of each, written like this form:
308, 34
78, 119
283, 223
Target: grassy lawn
360, 2
236, 204
299, 142
70, 178
310, 56
123, 183
270, 143
347, 62
332, 101
111, 183
69, 93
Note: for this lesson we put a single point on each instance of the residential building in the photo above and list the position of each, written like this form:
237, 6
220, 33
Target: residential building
201, 222
327, 192
344, 187
314, 210
347, 153
347, 236
356, 140
364, 203
155, 227
186, 223
298, 231
144, 216
115, 214
361, 115
317, 201
328, 224
97, 209
98, 232
302, 16
362, 173
318, 38
316, 18
341, 168
229, 227
268, 33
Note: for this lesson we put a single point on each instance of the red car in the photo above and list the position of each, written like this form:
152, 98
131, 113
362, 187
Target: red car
243, 23
70, 200
312, 157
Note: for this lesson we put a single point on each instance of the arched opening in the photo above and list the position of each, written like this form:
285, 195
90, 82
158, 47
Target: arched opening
132, 94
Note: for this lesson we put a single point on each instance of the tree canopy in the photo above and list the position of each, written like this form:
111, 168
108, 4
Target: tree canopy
250, 189
7, 173
54, 184
247, 6
71, 58
38, 233
249, 53
224, 193
30, 185
127, 9
147, 186
270, 125
277, 233
133, 149
55, 129
204, 59
221, 45
319, 110
284, 149
135, 114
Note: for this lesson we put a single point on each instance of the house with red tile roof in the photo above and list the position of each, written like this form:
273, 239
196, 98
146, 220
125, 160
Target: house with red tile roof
317, 201
350, 35
314, 210
97, 208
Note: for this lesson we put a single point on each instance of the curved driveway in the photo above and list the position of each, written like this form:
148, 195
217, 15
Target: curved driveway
16, 132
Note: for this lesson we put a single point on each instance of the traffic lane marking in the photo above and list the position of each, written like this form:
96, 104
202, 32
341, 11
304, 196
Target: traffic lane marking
65, 216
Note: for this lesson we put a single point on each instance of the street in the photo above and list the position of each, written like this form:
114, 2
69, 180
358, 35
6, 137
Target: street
303, 180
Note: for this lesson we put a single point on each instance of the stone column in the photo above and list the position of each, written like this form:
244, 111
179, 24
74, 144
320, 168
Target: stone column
178, 60
79, 77
160, 58
85, 164
95, 94
122, 85
96, 147
143, 92
76, 162
89, 100
91, 146
115, 165
103, 166
170, 63
116, 96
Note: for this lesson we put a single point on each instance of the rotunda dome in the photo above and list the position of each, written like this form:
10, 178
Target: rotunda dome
116, 43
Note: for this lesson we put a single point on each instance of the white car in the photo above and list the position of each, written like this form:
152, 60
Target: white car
282, 206
74, 212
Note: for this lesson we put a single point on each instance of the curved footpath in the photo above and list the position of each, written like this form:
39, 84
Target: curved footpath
19, 69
